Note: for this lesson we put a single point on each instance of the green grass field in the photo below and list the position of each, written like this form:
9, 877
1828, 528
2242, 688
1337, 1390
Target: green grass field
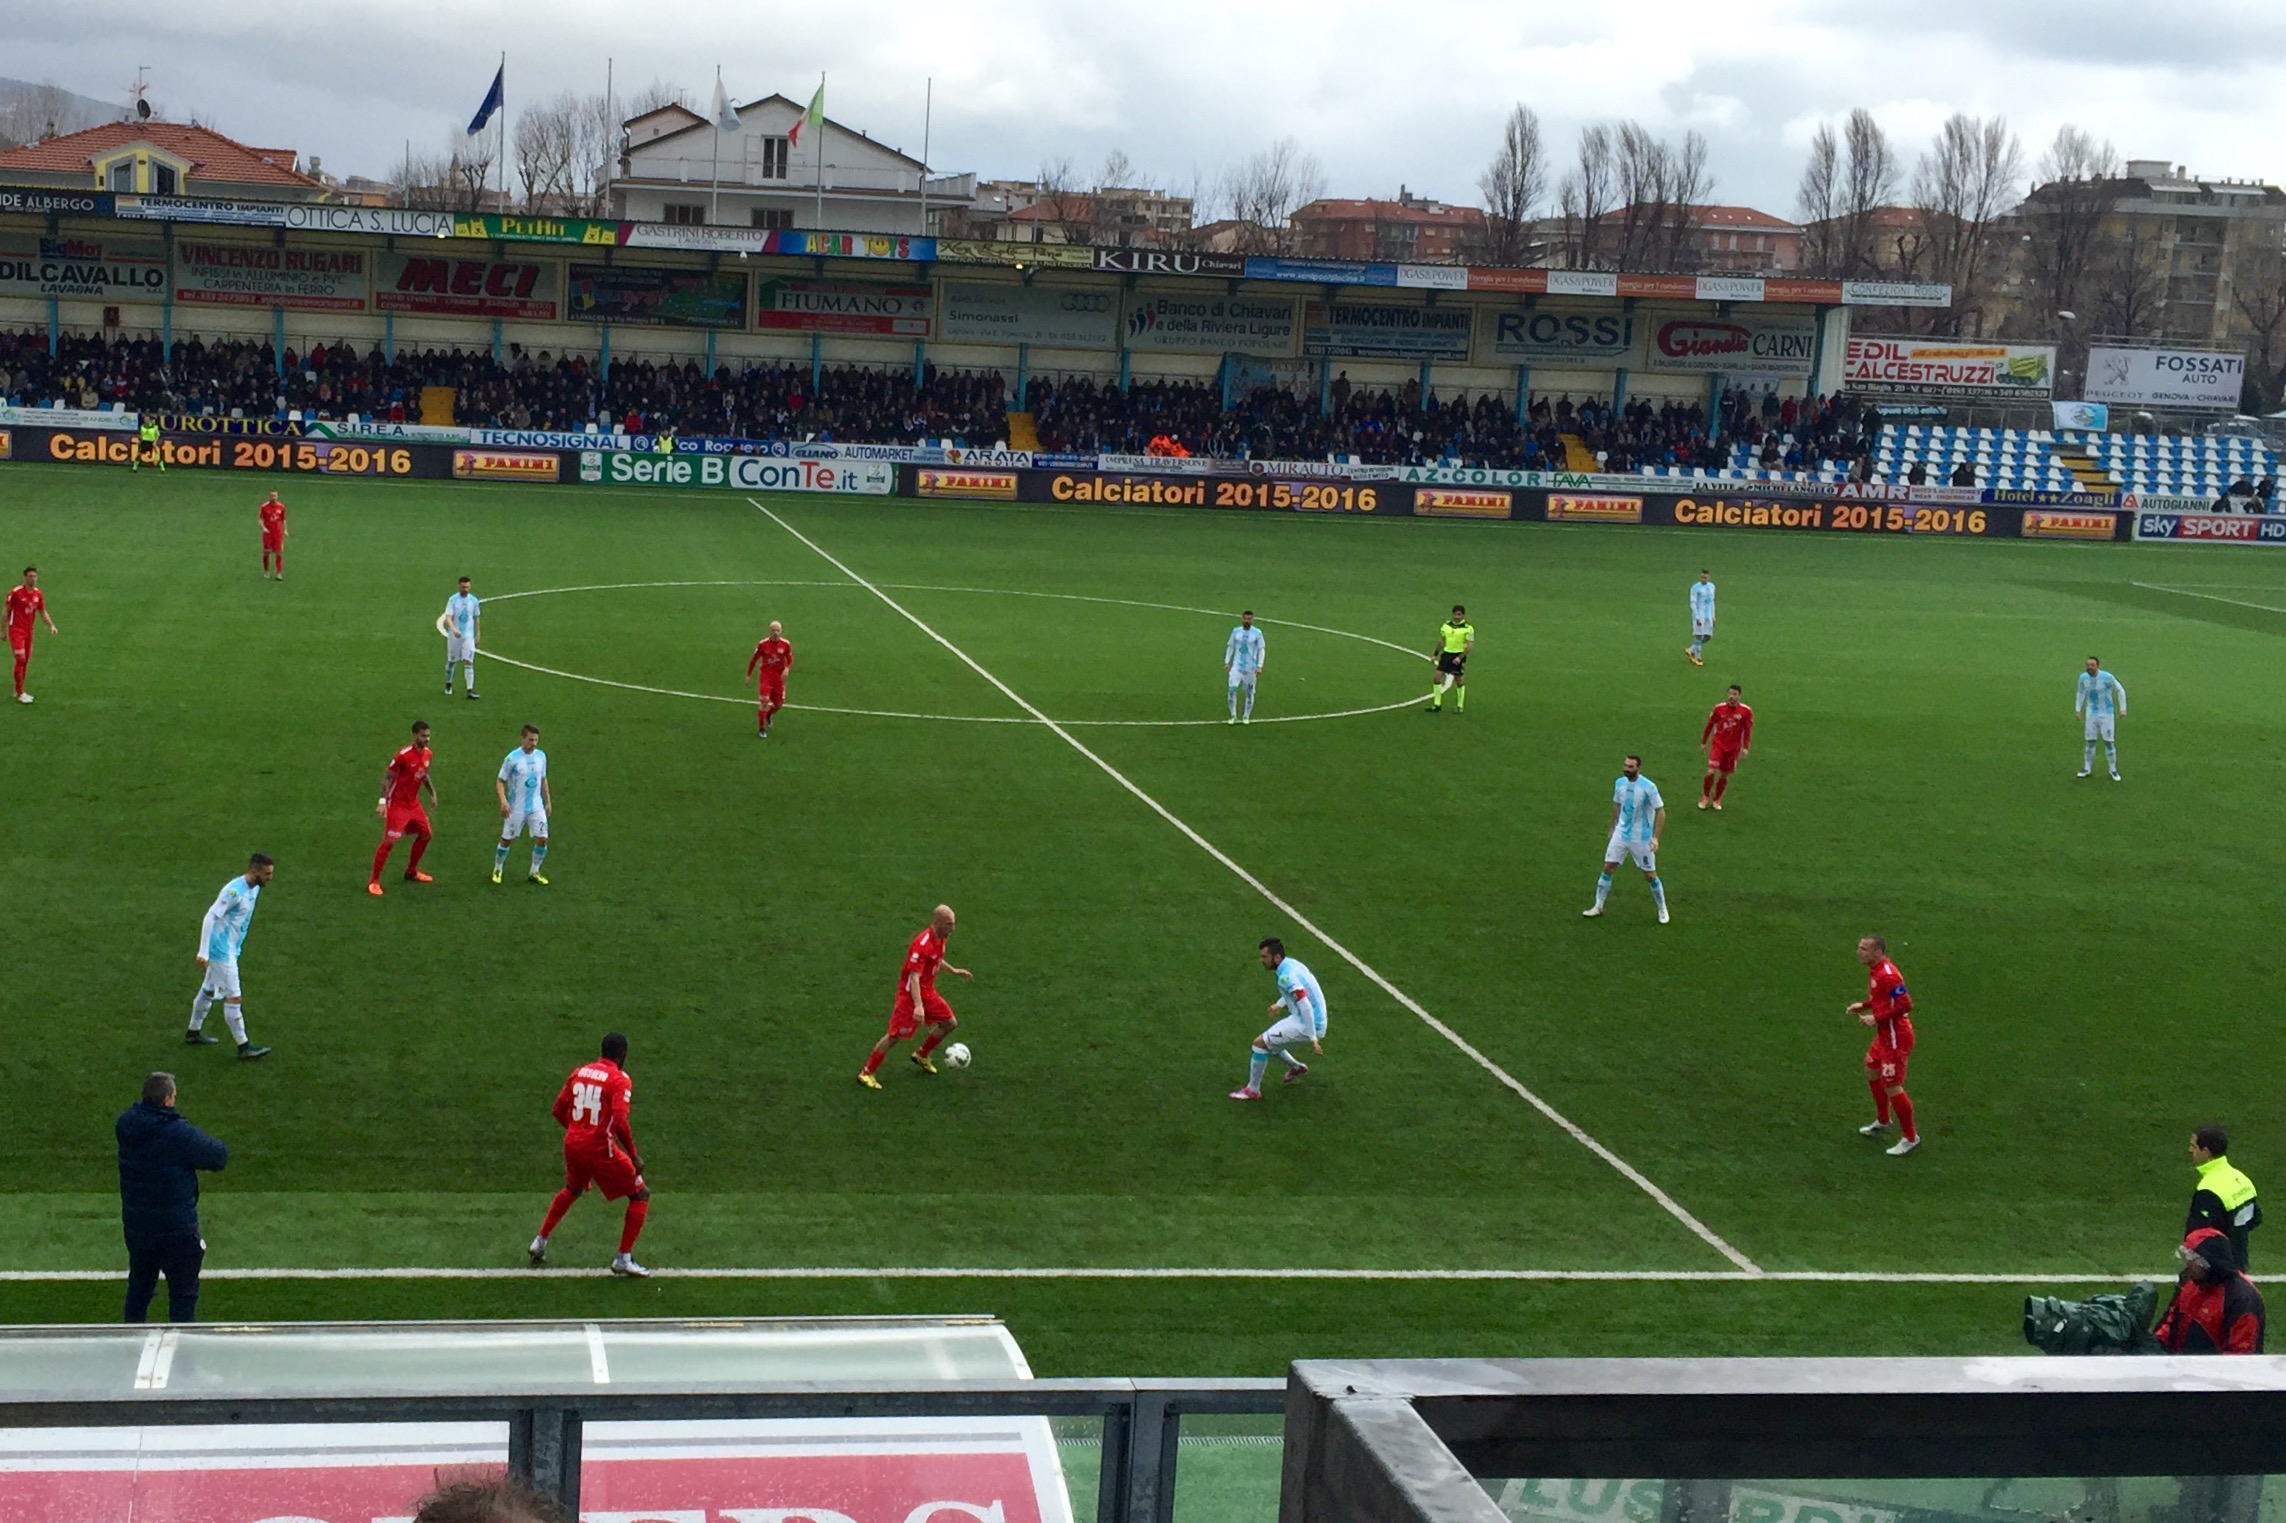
2092, 963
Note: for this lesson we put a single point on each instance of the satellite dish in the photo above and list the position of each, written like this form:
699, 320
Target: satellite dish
142, 109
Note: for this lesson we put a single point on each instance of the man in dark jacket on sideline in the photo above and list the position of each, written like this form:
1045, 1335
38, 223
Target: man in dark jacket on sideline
160, 1155
2216, 1310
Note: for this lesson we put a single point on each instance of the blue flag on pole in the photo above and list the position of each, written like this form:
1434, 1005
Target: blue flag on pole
494, 98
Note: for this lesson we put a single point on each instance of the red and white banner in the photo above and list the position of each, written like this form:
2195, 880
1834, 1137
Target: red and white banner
527, 289
934, 1470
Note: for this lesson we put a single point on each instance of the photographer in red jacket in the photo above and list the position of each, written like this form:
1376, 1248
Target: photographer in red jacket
2216, 1309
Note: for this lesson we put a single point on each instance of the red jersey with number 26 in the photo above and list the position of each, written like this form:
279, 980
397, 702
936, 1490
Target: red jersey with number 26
1887, 998
408, 769
594, 1109
24, 605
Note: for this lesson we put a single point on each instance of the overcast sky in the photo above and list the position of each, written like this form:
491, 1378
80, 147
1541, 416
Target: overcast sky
1382, 93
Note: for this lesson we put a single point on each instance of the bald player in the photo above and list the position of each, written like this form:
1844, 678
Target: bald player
918, 1002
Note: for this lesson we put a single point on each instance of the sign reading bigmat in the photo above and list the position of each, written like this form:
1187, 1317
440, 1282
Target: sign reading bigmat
270, 275
1741, 344
90, 268
842, 306
638, 297
2165, 378
1965, 368
1386, 330
525, 289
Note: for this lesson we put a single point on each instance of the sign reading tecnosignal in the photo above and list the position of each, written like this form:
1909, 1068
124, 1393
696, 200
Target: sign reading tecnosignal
2165, 378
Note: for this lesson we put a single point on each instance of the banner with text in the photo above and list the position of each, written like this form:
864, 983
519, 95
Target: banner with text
1386, 330
267, 275
1053, 317
1589, 338
2212, 528
2165, 378
784, 305
1970, 369
76, 266
744, 473
1205, 322
636, 297
1741, 344
528, 289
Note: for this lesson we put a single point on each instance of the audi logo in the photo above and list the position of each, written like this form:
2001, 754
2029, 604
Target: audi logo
1085, 301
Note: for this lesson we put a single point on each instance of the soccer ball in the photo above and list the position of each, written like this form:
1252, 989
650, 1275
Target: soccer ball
956, 1056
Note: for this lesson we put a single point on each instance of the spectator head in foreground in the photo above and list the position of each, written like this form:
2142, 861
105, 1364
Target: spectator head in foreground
504, 1499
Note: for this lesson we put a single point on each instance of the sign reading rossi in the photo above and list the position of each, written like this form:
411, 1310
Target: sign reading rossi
1595, 338
515, 288
835, 306
1763, 344
266, 275
92, 268
1949, 368
1054, 317
1211, 323
1385, 330
637, 297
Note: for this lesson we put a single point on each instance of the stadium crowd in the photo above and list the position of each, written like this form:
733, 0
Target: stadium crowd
854, 404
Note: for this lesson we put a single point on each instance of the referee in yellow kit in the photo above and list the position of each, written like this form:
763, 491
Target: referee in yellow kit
1456, 637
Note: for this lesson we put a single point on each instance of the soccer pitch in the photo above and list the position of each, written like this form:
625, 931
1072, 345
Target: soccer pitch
2091, 962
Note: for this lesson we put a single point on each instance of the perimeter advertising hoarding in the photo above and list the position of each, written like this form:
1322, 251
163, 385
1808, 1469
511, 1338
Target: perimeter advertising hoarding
783, 305
2211, 528
1589, 338
270, 275
1463, 502
1965, 368
82, 266
1743, 343
638, 297
310, 456
2063, 523
744, 473
506, 465
1564, 507
529, 290
1386, 330
1050, 317
1211, 322
2197, 378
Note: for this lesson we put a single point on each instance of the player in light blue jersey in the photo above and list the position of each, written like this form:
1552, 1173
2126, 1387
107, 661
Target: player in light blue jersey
1702, 618
2102, 701
524, 803
1638, 820
220, 939
462, 623
1242, 664
1304, 1019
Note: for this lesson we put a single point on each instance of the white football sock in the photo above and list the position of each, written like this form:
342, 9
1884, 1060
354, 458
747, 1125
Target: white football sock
235, 1017
199, 1003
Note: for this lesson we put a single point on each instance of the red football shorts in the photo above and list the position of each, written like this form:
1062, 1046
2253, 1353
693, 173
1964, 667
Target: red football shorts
772, 690
1723, 761
406, 819
612, 1172
902, 1020
1886, 1060
19, 640
273, 542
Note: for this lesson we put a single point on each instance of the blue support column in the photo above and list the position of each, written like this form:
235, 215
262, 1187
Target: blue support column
920, 363
1023, 376
817, 362
1817, 351
167, 330
603, 359
278, 340
1523, 396
496, 346
1126, 368
1325, 385
709, 353
1225, 370
55, 326
1714, 400
389, 337
1424, 407
1619, 388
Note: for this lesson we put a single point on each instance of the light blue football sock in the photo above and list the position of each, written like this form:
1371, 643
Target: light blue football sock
1256, 1064
1602, 890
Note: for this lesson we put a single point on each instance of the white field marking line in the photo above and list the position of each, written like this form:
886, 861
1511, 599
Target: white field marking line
2185, 592
1138, 1272
813, 708
1635, 1176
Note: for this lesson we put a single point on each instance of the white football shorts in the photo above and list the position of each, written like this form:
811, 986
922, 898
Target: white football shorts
1241, 677
221, 981
459, 648
536, 820
1702, 629
1291, 1031
1637, 851
2100, 727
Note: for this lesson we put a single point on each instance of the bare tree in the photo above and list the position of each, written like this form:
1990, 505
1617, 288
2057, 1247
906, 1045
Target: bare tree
1962, 187
1658, 185
2129, 282
2064, 218
546, 149
1263, 193
656, 94
29, 113
1845, 185
1118, 171
1818, 200
1690, 185
1584, 199
1513, 185
2258, 297
457, 180
1060, 204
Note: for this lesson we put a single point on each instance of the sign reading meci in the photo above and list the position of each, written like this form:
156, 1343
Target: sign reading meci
518, 288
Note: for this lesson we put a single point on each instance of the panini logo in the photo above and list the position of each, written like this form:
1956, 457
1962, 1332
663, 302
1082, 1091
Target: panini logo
1452, 502
1609, 510
503, 465
2043, 523
996, 486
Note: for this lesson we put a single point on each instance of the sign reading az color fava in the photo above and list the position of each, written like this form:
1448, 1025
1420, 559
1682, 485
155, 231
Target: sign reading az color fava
1054, 317
267, 275
840, 306
1742, 343
528, 289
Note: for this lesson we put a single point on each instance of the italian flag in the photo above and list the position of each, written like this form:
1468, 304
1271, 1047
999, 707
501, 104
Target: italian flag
810, 118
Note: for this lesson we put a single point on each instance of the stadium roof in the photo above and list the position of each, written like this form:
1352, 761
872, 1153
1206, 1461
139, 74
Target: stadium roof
213, 158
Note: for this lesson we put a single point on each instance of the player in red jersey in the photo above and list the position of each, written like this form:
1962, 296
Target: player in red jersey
26, 603
1888, 1009
273, 536
918, 1002
772, 659
400, 808
1728, 734
599, 1149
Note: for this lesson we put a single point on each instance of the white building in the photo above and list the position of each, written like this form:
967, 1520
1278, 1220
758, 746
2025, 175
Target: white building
678, 167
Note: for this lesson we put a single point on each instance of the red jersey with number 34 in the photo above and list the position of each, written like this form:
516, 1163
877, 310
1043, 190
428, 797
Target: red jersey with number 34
24, 605
594, 1109
1888, 999
408, 769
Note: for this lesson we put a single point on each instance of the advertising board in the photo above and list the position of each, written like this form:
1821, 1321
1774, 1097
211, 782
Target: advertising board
1966, 368
1463, 502
1051, 317
2192, 378
2065, 523
1759, 343
1208, 321
1386, 330
270, 275
637, 297
744, 473
506, 465
1593, 338
991, 486
1170, 262
83, 266
2211, 528
315, 456
1566, 507
525, 289
785, 305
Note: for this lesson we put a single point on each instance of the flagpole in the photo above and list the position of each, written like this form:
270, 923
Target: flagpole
610, 138
928, 102
503, 130
821, 150
714, 196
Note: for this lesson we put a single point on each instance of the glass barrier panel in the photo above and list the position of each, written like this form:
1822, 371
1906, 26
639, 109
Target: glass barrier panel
2094, 1499
1227, 1468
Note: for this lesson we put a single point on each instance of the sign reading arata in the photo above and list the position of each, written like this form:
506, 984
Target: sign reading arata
528, 289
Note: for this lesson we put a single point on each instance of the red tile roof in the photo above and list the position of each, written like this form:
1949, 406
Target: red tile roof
1740, 217
214, 158
1334, 210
